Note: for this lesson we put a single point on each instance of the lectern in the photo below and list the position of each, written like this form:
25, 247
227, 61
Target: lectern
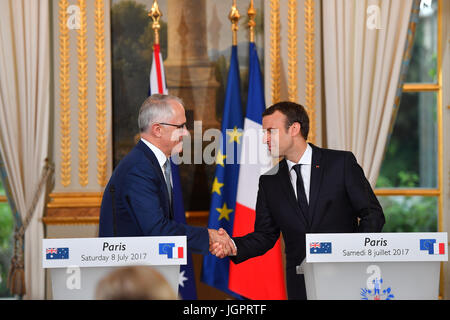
76, 265
374, 266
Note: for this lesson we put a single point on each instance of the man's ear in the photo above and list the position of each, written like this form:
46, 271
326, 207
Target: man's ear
295, 129
155, 130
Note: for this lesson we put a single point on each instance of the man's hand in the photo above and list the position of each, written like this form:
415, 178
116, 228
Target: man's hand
220, 243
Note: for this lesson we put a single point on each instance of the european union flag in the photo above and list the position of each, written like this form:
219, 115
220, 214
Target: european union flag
223, 199
320, 247
56, 253
427, 245
166, 248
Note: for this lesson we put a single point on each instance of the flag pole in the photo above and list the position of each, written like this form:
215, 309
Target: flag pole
234, 17
251, 20
155, 14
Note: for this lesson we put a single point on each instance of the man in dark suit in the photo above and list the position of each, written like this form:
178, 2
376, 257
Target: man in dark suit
312, 190
138, 198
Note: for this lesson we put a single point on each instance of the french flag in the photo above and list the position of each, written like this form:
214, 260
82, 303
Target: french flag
250, 278
178, 253
439, 248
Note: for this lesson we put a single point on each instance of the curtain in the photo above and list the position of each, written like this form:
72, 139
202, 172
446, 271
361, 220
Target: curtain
24, 120
364, 47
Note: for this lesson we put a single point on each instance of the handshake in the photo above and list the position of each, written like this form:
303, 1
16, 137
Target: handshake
220, 243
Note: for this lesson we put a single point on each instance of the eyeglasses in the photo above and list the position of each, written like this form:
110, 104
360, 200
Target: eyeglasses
178, 126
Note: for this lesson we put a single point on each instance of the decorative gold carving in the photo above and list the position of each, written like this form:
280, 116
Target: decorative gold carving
275, 64
251, 12
64, 94
72, 215
73, 220
310, 68
75, 200
292, 50
234, 17
407, 192
155, 14
90, 215
83, 130
100, 95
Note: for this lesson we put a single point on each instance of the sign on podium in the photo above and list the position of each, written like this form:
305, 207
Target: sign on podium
374, 266
76, 265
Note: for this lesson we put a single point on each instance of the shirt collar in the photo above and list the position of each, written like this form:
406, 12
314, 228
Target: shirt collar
160, 156
305, 159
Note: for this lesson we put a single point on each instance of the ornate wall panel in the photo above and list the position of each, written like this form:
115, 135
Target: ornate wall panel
293, 56
82, 143
82, 90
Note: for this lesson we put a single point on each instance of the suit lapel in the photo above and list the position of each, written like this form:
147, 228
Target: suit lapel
154, 162
315, 182
285, 182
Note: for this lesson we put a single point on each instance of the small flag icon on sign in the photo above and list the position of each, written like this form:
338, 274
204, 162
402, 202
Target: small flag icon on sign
56, 253
171, 251
319, 247
432, 246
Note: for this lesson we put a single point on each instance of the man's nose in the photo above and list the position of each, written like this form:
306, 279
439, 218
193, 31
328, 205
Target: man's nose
266, 137
185, 131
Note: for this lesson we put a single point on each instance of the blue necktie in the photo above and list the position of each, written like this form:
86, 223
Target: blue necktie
301, 194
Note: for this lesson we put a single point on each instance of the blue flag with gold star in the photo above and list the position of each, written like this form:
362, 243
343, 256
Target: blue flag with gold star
223, 197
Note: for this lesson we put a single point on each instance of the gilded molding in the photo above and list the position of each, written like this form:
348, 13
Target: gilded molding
310, 68
70, 220
100, 96
275, 63
64, 94
83, 130
75, 200
292, 51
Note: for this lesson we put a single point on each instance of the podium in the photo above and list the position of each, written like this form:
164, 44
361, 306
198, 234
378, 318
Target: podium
77, 265
373, 266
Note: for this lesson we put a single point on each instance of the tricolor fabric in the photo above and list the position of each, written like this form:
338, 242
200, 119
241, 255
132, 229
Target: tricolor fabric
262, 277
187, 288
223, 197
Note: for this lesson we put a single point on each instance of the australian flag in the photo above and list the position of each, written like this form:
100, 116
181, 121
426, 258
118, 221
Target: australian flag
57, 253
187, 288
320, 247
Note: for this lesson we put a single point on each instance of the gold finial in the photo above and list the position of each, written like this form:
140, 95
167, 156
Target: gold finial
155, 14
251, 20
234, 17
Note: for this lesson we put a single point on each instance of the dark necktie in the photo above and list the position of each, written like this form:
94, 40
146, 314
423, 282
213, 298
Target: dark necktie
301, 195
167, 176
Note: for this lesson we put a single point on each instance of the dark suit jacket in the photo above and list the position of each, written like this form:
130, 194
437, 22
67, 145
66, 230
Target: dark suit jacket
141, 203
339, 195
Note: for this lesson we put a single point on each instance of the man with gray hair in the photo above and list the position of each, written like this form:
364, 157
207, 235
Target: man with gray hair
138, 198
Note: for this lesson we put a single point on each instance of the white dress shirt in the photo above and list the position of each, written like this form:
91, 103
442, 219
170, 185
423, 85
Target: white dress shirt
305, 161
160, 156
